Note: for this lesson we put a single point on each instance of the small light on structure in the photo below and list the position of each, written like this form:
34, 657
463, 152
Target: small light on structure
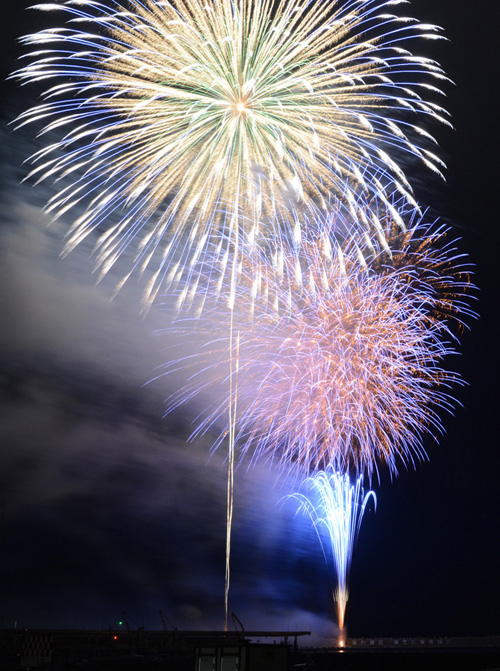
240, 107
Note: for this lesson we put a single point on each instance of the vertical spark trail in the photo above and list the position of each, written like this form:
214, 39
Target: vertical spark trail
233, 382
336, 508
233, 393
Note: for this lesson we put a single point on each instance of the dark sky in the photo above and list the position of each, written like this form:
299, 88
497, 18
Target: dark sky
104, 506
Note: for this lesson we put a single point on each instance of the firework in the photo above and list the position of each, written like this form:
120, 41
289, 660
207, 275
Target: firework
345, 366
183, 118
336, 508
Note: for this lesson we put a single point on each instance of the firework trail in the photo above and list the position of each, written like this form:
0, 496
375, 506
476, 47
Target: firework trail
173, 122
336, 508
345, 366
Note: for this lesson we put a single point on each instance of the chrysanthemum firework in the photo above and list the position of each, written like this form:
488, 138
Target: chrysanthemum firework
345, 367
182, 117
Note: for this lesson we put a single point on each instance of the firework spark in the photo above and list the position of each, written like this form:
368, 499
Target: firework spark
336, 508
344, 368
182, 118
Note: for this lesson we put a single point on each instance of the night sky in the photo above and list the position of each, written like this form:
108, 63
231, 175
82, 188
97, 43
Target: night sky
104, 505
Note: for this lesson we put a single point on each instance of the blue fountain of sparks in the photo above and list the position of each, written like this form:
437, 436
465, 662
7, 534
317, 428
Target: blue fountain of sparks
336, 507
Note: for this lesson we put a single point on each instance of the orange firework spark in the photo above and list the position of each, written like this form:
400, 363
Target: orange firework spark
343, 364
